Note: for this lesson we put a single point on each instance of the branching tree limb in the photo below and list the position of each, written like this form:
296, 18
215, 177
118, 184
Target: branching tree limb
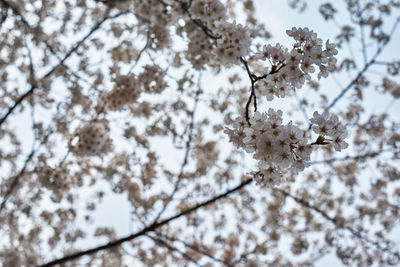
363, 237
147, 229
60, 63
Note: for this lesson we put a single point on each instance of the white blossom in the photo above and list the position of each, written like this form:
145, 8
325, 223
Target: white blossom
281, 149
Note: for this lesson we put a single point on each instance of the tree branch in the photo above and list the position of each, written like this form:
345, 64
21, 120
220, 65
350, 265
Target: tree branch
185, 7
360, 73
145, 230
252, 94
16, 179
253, 79
186, 155
193, 247
171, 248
354, 232
60, 63
371, 154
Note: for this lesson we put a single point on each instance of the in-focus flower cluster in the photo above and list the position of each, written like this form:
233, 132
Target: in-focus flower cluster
290, 69
281, 149
329, 126
278, 148
93, 140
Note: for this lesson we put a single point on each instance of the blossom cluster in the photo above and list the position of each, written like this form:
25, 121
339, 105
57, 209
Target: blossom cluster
150, 9
278, 148
231, 40
209, 11
128, 88
290, 69
93, 140
125, 91
58, 180
329, 126
53, 179
123, 53
281, 149
157, 21
198, 51
233, 44
391, 87
151, 80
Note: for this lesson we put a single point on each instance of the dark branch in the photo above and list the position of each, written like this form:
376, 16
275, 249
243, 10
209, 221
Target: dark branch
185, 7
253, 79
252, 94
60, 63
146, 230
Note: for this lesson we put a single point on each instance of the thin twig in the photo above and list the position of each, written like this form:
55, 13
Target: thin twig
140, 52
191, 246
60, 63
357, 157
303, 111
171, 248
253, 79
356, 233
4, 15
16, 179
243, 257
360, 73
186, 155
252, 94
33, 151
363, 43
